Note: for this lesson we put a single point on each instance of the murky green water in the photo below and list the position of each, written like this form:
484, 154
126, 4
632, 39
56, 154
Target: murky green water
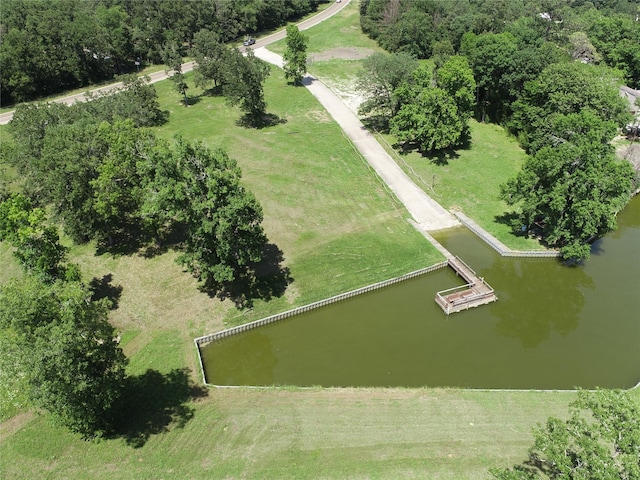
553, 327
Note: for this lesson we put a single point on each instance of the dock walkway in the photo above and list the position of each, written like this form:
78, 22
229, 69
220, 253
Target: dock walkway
474, 293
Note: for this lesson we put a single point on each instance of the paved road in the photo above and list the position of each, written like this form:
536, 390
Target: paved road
427, 213
187, 67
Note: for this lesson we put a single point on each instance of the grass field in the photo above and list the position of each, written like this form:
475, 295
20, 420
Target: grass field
470, 180
301, 434
338, 229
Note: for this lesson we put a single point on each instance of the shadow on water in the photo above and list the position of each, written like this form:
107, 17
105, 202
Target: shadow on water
544, 296
153, 403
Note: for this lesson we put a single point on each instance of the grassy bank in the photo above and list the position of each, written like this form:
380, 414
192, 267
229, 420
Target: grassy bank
470, 179
282, 434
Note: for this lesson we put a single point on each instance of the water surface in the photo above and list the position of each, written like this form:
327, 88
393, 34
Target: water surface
553, 327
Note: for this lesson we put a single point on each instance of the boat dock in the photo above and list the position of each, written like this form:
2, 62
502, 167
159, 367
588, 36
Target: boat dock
474, 293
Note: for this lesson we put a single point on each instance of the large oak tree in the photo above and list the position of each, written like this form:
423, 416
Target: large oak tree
573, 188
599, 440
72, 361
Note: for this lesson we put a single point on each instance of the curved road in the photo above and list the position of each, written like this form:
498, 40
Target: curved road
331, 10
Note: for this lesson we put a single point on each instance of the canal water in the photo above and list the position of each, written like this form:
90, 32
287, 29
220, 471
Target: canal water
553, 327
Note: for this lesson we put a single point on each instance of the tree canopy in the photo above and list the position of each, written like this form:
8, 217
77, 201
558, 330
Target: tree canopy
566, 88
48, 47
295, 55
73, 364
380, 76
244, 77
433, 114
200, 189
37, 244
600, 439
571, 190
209, 53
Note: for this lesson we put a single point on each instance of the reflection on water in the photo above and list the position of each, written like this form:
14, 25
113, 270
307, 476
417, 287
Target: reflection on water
552, 327
541, 286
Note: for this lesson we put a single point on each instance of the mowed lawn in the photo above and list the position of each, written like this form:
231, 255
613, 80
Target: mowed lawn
301, 434
470, 179
335, 222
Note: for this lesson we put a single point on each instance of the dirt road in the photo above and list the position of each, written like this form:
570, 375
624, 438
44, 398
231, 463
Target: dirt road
427, 213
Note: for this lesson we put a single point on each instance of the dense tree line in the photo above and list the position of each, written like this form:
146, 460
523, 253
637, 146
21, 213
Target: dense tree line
49, 46
105, 177
549, 72
113, 181
421, 27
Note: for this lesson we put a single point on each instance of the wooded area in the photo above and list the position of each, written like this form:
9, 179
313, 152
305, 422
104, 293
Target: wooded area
49, 47
547, 72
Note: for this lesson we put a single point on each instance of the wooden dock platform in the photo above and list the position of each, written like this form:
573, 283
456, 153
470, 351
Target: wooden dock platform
476, 292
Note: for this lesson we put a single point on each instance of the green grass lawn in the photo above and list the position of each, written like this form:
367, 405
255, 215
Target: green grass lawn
302, 434
470, 180
333, 220
336, 48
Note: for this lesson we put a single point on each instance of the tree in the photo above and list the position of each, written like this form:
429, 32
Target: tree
199, 191
573, 189
412, 33
379, 78
69, 160
432, 121
566, 88
172, 58
224, 232
117, 189
434, 115
113, 36
295, 55
456, 78
209, 53
491, 58
617, 37
37, 245
74, 366
601, 439
137, 100
244, 77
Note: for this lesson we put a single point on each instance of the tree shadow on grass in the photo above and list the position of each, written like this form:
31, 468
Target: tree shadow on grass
124, 241
213, 91
193, 100
154, 403
513, 220
441, 157
377, 123
263, 280
103, 288
264, 121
